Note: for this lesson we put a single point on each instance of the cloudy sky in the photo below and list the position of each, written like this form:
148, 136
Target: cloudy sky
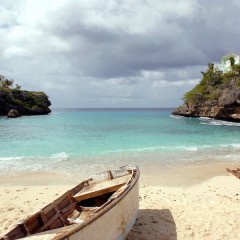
114, 53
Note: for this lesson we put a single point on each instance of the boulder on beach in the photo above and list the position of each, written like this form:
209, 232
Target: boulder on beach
13, 114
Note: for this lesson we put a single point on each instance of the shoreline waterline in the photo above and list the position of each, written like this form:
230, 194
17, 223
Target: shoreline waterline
77, 142
172, 176
149, 162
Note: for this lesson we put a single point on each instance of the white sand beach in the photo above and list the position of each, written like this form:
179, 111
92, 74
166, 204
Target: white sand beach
207, 210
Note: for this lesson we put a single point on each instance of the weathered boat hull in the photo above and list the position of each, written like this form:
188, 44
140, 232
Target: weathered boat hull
104, 206
114, 224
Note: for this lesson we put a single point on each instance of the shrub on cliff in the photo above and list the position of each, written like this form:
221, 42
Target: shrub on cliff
26, 102
212, 80
8, 84
202, 91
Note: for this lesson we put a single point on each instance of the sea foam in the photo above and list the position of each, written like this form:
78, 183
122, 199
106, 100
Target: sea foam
62, 156
215, 122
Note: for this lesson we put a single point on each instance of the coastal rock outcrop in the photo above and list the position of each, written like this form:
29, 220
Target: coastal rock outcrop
25, 102
13, 114
216, 96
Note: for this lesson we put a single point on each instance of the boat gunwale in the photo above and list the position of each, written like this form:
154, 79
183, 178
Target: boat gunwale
134, 179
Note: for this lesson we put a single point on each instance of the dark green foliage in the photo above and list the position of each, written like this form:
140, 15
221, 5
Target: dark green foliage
18, 87
19, 103
26, 102
212, 96
212, 80
228, 76
7, 83
233, 74
196, 94
202, 91
232, 61
210, 67
236, 69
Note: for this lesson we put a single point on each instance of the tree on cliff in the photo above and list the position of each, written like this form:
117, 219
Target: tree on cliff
18, 87
7, 83
232, 61
211, 78
216, 95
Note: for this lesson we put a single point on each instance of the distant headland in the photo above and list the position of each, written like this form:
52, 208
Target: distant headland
218, 93
15, 102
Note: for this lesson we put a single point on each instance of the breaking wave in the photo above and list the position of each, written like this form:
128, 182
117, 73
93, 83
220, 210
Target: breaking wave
215, 122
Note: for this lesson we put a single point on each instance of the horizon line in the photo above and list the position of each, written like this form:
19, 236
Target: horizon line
112, 107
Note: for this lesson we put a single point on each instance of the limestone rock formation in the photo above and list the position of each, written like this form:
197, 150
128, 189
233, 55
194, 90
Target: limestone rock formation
216, 96
13, 114
25, 102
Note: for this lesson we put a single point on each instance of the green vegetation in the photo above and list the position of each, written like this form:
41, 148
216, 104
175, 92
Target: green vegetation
232, 61
26, 102
212, 80
236, 69
18, 87
8, 84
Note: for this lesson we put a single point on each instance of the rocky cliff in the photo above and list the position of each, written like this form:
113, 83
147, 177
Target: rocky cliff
25, 102
216, 96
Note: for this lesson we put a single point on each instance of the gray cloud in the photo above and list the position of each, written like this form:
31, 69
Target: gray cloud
116, 53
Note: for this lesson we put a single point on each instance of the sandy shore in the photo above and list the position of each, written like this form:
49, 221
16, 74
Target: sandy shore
209, 210
206, 210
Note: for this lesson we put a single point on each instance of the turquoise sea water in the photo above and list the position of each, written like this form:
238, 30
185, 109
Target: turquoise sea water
71, 140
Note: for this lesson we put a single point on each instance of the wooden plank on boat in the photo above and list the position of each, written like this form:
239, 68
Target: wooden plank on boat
236, 172
51, 234
48, 223
100, 188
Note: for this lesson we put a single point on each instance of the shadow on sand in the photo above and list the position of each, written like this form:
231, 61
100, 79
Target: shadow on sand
153, 224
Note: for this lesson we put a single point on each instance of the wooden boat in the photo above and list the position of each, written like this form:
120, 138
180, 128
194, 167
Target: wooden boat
104, 206
235, 173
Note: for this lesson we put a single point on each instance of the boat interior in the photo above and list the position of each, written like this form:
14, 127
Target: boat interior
77, 205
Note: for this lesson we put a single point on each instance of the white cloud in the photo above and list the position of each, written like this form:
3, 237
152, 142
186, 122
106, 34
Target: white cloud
139, 53
164, 83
